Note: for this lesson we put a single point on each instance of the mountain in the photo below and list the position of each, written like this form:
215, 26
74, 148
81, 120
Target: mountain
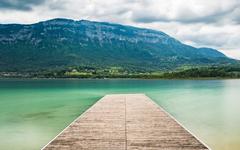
61, 43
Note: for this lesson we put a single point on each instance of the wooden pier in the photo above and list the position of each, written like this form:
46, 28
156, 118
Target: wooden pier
125, 121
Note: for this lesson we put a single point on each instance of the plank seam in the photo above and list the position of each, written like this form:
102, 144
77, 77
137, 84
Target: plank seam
125, 97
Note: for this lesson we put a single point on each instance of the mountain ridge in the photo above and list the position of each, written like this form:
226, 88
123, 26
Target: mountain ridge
61, 43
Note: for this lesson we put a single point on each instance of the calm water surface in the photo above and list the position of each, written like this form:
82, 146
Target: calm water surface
32, 112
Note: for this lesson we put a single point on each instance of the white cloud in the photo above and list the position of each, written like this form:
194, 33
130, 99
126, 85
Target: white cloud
211, 23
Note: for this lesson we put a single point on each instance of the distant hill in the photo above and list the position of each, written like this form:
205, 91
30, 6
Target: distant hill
61, 43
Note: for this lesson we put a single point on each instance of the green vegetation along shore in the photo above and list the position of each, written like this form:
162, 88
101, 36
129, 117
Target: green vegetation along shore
118, 72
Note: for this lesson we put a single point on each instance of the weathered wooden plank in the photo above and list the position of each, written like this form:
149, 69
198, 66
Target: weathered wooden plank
125, 121
149, 127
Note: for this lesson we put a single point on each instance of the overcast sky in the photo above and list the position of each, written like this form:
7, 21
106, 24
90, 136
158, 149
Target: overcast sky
208, 23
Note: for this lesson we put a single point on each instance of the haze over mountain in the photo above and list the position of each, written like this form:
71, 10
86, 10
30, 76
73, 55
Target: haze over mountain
61, 43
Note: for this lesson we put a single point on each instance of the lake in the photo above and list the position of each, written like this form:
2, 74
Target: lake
32, 112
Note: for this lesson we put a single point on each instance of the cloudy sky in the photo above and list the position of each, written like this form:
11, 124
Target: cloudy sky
211, 23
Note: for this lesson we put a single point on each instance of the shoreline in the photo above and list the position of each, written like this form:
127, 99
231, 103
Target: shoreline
202, 78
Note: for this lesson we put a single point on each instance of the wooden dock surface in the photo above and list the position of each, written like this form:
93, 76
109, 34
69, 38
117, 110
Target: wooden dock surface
125, 121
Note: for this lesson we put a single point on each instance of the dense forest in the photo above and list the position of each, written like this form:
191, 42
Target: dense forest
232, 71
206, 72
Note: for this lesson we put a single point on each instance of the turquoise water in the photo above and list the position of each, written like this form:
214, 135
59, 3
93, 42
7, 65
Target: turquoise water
32, 112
